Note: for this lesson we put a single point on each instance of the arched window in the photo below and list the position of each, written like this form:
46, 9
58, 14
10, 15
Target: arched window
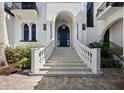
33, 32
26, 32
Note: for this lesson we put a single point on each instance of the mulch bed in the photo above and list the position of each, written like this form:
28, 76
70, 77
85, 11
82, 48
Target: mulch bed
10, 69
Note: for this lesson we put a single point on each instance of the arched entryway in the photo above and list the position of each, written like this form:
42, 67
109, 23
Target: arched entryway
113, 37
63, 36
64, 29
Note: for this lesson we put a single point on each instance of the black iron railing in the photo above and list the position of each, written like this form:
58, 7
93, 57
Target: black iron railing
115, 46
26, 5
116, 49
103, 7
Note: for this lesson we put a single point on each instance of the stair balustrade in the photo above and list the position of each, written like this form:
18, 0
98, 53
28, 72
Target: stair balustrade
40, 56
89, 56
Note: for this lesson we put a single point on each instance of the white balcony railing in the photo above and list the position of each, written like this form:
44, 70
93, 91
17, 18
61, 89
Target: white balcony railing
28, 5
103, 6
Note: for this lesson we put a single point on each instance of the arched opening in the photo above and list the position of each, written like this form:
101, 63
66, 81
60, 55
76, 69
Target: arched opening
33, 32
26, 32
64, 29
63, 36
113, 37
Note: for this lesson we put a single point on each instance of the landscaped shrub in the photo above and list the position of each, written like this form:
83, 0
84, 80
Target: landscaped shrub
107, 61
104, 53
19, 54
104, 48
16, 54
24, 63
95, 45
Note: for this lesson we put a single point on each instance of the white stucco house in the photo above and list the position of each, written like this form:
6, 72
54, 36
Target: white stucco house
68, 26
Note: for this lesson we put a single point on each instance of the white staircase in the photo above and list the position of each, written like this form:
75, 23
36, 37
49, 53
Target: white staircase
64, 61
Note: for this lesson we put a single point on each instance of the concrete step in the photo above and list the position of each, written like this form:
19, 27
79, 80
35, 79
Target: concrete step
64, 64
63, 58
64, 48
61, 55
64, 53
67, 61
65, 73
56, 68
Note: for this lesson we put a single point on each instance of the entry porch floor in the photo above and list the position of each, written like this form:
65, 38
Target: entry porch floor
19, 81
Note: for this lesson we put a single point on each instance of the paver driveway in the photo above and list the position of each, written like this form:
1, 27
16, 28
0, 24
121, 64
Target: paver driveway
110, 80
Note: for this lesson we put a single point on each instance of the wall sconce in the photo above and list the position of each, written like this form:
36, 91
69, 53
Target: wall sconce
83, 26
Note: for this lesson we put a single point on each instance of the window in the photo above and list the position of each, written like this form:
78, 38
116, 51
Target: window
44, 27
90, 15
33, 32
26, 32
28, 5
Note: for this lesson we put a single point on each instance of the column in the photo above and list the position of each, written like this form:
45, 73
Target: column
30, 32
123, 36
84, 33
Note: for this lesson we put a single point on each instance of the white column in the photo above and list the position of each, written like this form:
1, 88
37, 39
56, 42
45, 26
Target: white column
53, 33
30, 36
75, 33
84, 32
80, 31
48, 31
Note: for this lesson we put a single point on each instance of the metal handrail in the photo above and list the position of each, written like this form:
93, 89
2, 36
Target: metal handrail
102, 7
14, 6
116, 46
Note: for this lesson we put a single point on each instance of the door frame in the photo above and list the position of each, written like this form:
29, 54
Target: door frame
67, 32
56, 33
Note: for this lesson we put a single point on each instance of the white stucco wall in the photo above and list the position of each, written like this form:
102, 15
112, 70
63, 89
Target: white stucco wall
92, 32
41, 35
47, 15
116, 33
74, 10
9, 29
96, 33
54, 8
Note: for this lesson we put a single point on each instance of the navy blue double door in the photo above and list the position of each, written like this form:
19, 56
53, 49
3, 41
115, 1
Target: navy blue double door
63, 36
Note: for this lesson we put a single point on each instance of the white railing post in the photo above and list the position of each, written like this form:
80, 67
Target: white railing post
34, 60
96, 60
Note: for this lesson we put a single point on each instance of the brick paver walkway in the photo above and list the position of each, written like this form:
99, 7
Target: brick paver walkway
110, 80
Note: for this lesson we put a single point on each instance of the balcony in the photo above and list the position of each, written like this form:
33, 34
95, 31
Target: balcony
27, 10
107, 8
